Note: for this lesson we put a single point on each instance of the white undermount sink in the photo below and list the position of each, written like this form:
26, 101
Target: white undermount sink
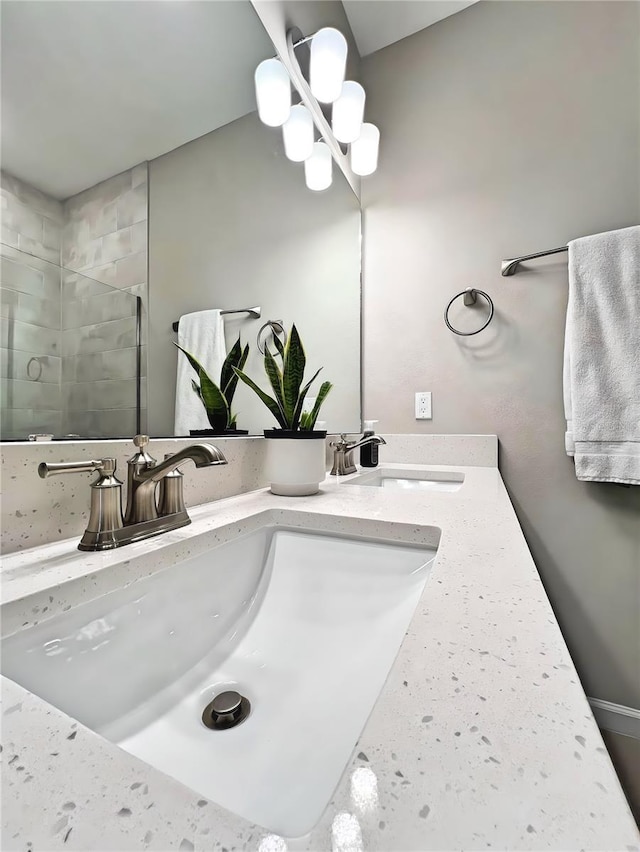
410, 480
306, 626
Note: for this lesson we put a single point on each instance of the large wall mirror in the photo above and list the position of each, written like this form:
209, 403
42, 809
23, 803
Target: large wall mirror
139, 186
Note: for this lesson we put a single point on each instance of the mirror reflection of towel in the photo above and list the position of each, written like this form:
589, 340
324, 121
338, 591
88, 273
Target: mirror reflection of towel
201, 334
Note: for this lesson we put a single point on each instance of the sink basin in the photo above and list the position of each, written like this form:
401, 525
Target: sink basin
410, 480
305, 626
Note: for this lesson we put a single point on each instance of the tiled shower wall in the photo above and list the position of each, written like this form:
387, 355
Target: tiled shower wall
104, 240
80, 324
30, 310
31, 220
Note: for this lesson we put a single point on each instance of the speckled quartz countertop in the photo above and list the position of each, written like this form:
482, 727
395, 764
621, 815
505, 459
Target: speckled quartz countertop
481, 738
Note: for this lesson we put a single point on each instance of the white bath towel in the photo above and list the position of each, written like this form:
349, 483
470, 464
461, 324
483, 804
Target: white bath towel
602, 357
201, 334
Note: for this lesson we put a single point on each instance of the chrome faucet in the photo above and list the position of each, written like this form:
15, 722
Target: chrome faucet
202, 455
145, 517
343, 463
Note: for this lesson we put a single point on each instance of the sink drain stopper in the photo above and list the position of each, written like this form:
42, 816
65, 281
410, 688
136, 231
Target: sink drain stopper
226, 711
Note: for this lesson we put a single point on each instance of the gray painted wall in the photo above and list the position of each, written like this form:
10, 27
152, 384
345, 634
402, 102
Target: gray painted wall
510, 127
231, 224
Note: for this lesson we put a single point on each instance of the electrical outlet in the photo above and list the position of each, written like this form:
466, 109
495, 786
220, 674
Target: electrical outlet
423, 405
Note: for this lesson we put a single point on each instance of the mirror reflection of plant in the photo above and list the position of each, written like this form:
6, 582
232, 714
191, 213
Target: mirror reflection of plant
287, 403
217, 399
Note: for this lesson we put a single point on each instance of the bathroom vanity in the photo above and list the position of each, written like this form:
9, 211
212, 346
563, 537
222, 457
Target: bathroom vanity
479, 737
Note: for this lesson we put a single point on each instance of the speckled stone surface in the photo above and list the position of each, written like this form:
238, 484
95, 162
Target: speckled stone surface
470, 450
38, 511
481, 738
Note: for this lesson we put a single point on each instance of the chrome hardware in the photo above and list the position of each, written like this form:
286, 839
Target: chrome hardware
254, 313
107, 528
227, 710
38, 362
510, 265
49, 468
470, 298
105, 515
170, 492
343, 463
138, 462
276, 327
202, 455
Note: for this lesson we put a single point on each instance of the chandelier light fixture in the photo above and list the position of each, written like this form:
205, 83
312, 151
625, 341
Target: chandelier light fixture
347, 113
345, 99
364, 150
318, 168
297, 134
327, 64
273, 92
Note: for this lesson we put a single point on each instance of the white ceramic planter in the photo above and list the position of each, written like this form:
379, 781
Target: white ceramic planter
296, 466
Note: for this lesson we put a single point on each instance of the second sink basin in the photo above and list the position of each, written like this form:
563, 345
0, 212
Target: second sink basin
410, 480
305, 626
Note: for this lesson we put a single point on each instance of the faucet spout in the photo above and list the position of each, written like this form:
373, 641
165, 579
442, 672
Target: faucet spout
370, 439
202, 455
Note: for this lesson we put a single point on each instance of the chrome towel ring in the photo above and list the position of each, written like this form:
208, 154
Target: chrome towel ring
37, 361
470, 298
276, 327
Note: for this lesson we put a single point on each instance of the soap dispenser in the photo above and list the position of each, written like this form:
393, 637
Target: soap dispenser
369, 452
138, 462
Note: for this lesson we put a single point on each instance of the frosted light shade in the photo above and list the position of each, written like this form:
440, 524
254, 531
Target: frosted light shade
273, 92
297, 132
364, 151
348, 112
318, 168
327, 64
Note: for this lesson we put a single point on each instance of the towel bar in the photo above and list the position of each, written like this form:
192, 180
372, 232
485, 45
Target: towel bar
510, 265
254, 313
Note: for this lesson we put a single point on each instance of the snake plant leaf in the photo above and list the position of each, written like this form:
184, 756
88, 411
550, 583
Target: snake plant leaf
294, 361
230, 388
197, 366
278, 344
271, 404
196, 388
275, 378
215, 402
232, 360
310, 421
303, 393
305, 421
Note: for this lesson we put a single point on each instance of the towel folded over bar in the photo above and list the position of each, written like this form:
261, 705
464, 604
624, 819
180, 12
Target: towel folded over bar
602, 357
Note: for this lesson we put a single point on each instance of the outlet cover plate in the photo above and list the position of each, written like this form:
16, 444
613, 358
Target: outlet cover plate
423, 405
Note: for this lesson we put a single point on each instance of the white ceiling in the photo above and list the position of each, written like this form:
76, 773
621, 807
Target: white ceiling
89, 89
378, 23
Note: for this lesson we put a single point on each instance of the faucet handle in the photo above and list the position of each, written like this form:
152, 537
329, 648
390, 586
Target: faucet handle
342, 444
49, 468
141, 441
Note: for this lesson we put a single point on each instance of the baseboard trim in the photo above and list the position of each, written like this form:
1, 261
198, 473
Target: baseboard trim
616, 717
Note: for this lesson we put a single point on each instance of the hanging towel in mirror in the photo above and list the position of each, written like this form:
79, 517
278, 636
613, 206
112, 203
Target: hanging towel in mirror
201, 334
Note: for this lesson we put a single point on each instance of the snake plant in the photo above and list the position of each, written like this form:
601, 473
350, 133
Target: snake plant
217, 399
287, 402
